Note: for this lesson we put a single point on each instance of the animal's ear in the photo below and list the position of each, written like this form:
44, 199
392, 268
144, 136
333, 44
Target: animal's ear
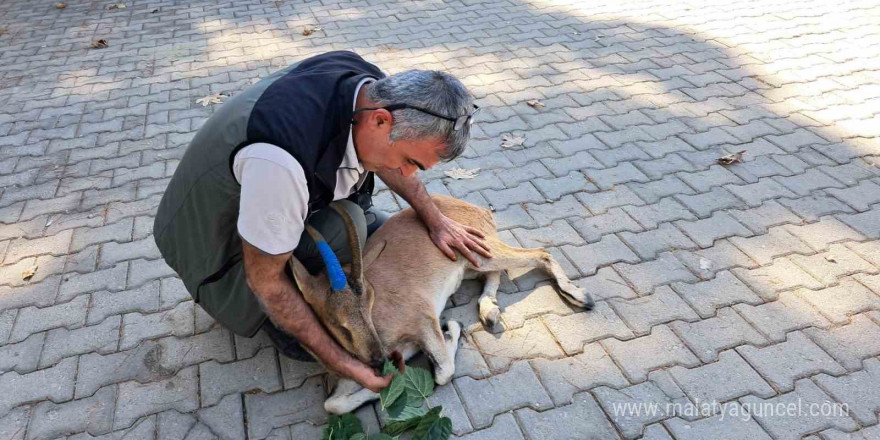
373, 254
301, 276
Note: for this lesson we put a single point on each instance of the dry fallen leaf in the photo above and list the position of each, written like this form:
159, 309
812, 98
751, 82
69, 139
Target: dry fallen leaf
731, 158
100, 44
61, 5
215, 98
535, 103
461, 173
511, 141
4, 30
311, 30
116, 6
29, 273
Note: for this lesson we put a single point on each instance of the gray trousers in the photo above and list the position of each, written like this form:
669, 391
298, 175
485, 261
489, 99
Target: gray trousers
328, 222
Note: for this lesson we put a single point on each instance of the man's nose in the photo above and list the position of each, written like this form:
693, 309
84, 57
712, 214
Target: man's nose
408, 170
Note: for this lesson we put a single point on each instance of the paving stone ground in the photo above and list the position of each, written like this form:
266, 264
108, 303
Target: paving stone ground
744, 284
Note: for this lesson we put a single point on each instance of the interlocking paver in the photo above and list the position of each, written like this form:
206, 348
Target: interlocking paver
849, 344
728, 426
776, 243
225, 419
662, 306
646, 276
824, 232
709, 336
647, 244
529, 341
144, 299
656, 391
807, 395
32, 320
93, 414
61, 342
150, 361
666, 210
859, 391
563, 378
55, 383
659, 349
518, 387
724, 290
257, 373
600, 202
23, 356
614, 220
833, 264
573, 331
504, 426
583, 419
782, 364
609, 249
867, 223
135, 400
137, 327
701, 384
837, 303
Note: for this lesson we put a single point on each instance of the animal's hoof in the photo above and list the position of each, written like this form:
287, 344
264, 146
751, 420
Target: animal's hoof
490, 316
589, 303
577, 296
453, 329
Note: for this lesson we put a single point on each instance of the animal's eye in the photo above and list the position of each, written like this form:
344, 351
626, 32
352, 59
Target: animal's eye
345, 333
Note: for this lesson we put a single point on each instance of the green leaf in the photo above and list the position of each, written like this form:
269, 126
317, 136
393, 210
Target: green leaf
433, 426
393, 391
379, 436
400, 410
342, 427
419, 382
388, 368
358, 436
397, 427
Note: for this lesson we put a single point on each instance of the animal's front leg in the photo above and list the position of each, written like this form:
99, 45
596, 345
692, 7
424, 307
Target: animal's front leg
347, 397
441, 347
488, 304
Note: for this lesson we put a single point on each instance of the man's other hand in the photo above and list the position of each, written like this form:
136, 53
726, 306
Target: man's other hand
366, 376
449, 236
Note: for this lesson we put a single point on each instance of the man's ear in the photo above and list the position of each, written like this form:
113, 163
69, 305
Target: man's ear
373, 254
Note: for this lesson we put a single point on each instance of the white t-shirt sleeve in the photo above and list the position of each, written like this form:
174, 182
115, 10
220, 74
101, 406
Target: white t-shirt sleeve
274, 198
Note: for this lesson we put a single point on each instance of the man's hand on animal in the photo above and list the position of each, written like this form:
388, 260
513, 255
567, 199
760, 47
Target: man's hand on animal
447, 234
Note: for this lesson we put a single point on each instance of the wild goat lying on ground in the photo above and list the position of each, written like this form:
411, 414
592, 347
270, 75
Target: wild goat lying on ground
398, 287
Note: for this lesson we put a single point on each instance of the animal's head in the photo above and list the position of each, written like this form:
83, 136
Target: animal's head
342, 299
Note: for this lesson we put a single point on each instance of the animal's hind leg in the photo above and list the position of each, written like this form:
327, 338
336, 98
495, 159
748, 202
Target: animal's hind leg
347, 397
489, 311
506, 257
440, 348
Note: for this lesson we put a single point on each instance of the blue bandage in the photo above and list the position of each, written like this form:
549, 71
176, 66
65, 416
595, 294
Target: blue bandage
334, 269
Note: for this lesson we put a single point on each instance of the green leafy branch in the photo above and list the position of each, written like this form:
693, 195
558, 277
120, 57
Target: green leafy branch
403, 400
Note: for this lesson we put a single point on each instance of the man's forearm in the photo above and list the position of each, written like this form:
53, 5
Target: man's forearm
412, 190
289, 311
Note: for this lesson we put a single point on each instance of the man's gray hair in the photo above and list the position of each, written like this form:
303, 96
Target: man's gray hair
437, 91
